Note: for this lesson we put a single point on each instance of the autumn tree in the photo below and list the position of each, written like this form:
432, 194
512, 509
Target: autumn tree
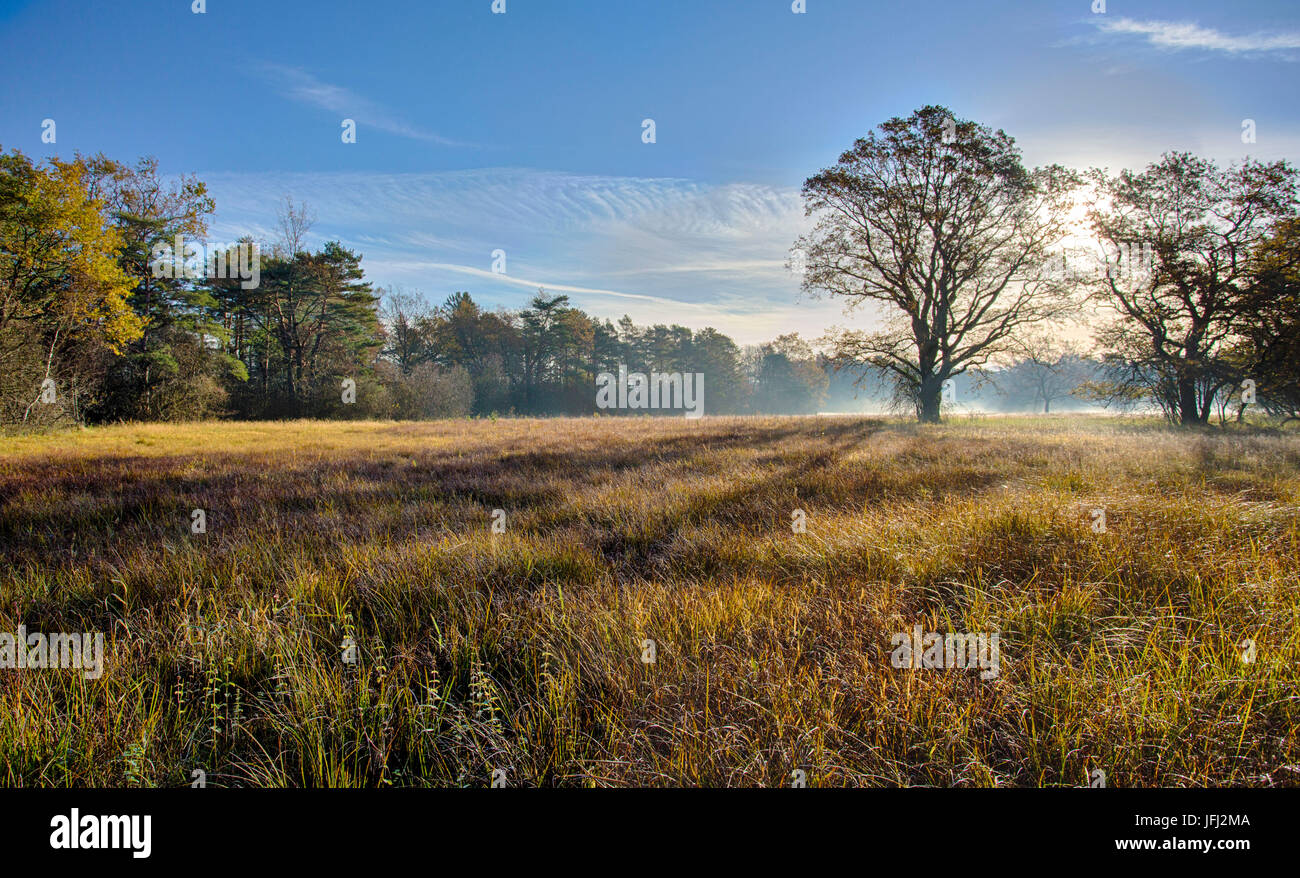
1269, 351
177, 368
1189, 229
60, 283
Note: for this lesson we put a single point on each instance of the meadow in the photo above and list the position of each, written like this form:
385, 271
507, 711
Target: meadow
351, 617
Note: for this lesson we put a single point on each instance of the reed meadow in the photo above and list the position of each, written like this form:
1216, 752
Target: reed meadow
654, 601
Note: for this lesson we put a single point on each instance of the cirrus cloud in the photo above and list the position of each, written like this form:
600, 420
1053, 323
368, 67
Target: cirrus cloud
1178, 35
302, 86
661, 250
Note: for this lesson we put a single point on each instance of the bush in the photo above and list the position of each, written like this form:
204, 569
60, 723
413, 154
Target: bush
427, 391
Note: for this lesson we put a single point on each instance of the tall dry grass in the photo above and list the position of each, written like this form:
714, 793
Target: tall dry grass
522, 651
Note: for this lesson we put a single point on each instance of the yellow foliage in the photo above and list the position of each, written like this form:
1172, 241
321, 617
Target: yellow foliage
58, 253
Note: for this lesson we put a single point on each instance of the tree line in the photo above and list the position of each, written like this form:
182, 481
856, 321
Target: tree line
1175, 287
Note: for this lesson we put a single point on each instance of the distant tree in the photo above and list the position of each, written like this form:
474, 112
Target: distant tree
789, 379
607, 348
665, 348
936, 219
314, 322
427, 391
405, 317
344, 341
557, 356
1046, 370
716, 356
486, 344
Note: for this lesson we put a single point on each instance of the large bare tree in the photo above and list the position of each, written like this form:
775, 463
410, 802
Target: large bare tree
936, 219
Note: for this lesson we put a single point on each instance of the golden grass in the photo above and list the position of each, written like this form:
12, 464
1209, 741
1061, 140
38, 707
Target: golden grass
522, 651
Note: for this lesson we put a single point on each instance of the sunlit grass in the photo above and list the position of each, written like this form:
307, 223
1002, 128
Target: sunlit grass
522, 651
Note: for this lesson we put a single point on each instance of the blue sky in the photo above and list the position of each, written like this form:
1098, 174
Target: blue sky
522, 132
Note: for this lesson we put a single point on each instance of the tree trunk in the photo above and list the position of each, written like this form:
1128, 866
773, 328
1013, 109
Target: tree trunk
931, 394
1188, 414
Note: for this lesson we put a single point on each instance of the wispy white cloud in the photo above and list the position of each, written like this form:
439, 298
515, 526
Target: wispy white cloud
302, 86
539, 284
1189, 35
660, 250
